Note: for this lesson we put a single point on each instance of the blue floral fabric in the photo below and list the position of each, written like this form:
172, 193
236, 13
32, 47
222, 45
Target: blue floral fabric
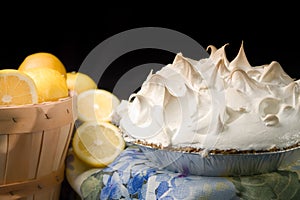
132, 176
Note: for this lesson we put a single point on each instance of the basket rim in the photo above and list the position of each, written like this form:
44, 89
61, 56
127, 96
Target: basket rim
36, 104
38, 117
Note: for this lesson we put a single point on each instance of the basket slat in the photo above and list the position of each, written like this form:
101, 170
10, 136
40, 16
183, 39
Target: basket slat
3, 150
22, 159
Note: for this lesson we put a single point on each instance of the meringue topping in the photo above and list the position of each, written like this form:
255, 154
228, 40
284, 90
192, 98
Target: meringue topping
212, 103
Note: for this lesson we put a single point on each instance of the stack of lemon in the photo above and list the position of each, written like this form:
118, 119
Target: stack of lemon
42, 77
39, 78
96, 142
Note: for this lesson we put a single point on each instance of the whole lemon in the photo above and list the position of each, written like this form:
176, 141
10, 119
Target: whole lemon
43, 60
50, 84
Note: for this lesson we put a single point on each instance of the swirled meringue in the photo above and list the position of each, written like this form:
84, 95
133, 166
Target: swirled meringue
212, 103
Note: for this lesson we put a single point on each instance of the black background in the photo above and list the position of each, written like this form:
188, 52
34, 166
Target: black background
269, 32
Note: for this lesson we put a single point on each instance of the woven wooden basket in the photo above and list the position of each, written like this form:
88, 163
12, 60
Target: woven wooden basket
34, 140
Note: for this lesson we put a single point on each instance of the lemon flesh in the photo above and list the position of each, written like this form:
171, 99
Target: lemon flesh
17, 88
96, 105
97, 144
80, 82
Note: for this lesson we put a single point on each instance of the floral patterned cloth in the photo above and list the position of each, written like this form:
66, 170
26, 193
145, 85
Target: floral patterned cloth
133, 176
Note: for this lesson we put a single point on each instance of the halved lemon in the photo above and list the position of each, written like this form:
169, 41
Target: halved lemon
79, 82
17, 88
96, 105
97, 143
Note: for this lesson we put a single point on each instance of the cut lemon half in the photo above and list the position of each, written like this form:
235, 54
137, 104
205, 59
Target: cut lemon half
79, 82
96, 105
97, 144
17, 88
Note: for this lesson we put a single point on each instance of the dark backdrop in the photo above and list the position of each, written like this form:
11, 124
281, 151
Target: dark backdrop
268, 33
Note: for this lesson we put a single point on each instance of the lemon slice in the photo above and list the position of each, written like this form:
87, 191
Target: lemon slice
97, 144
96, 105
16, 88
